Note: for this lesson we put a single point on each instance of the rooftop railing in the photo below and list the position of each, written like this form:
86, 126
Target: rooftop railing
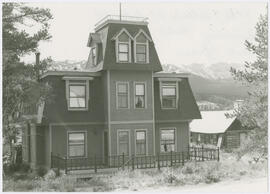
121, 18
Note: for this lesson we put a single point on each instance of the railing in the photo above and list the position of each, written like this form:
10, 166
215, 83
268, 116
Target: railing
121, 18
135, 162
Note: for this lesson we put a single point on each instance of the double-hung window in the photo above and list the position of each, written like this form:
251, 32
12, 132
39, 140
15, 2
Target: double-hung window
123, 48
139, 95
94, 56
77, 95
140, 142
141, 48
122, 95
169, 95
123, 142
76, 144
167, 140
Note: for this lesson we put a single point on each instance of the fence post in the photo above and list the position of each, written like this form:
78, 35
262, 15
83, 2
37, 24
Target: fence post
195, 153
218, 155
95, 163
123, 160
171, 159
188, 156
158, 161
51, 160
202, 154
183, 159
66, 165
132, 161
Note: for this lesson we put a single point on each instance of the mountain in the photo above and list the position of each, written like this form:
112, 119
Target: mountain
207, 82
215, 71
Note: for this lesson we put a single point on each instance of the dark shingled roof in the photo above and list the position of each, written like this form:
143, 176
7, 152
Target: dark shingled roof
108, 62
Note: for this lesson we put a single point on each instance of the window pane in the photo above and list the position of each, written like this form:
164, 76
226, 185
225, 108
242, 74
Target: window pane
122, 88
123, 56
76, 150
123, 136
169, 102
141, 48
77, 91
122, 101
140, 135
168, 91
76, 138
123, 148
167, 134
141, 57
139, 101
139, 89
77, 102
140, 149
94, 52
123, 48
141, 38
123, 37
167, 148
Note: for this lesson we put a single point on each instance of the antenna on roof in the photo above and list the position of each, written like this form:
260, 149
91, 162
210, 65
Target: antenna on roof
120, 15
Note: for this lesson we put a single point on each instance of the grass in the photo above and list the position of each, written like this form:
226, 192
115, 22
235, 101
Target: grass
191, 174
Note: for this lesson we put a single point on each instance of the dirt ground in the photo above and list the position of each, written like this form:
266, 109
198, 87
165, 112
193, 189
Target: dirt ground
243, 185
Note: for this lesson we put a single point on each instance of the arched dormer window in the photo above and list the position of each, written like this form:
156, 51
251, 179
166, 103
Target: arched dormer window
141, 47
123, 46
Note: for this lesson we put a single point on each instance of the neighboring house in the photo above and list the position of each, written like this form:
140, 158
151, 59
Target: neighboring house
206, 105
216, 129
118, 104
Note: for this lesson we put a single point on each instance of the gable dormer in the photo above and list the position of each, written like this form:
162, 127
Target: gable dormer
123, 46
141, 47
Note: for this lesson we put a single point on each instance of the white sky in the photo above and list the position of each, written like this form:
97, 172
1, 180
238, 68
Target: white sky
183, 33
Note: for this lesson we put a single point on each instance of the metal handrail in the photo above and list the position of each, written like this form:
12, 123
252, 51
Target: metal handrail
121, 18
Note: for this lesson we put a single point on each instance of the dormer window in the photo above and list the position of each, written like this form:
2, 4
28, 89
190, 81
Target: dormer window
94, 55
141, 47
123, 46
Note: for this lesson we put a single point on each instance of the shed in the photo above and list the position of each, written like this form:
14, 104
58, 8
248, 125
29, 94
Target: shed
216, 129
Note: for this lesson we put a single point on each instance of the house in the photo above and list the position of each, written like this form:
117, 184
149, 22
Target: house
121, 103
216, 129
206, 105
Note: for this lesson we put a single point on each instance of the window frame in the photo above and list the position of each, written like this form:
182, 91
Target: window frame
117, 139
85, 144
80, 81
145, 94
140, 43
118, 42
94, 59
175, 138
146, 142
85, 98
128, 95
175, 84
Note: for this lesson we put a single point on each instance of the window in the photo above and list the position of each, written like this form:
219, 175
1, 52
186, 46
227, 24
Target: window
141, 48
94, 56
167, 140
140, 142
139, 95
122, 95
123, 48
76, 144
169, 95
77, 96
123, 142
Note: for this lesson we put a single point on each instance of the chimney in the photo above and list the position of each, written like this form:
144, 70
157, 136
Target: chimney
37, 64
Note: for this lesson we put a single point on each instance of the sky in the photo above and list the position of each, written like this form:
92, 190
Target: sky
183, 33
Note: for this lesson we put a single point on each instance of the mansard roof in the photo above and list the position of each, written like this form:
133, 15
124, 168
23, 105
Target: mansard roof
108, 33
93, 39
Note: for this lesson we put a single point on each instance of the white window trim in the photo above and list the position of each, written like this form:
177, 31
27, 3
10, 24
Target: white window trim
129, 143
146, 142
94, 62
68, 83
86, 153
175, 138
146, 44
145, 95
177, 95
117, 42
128, 96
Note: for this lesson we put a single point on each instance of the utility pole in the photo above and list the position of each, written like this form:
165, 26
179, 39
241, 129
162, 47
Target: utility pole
120, 15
